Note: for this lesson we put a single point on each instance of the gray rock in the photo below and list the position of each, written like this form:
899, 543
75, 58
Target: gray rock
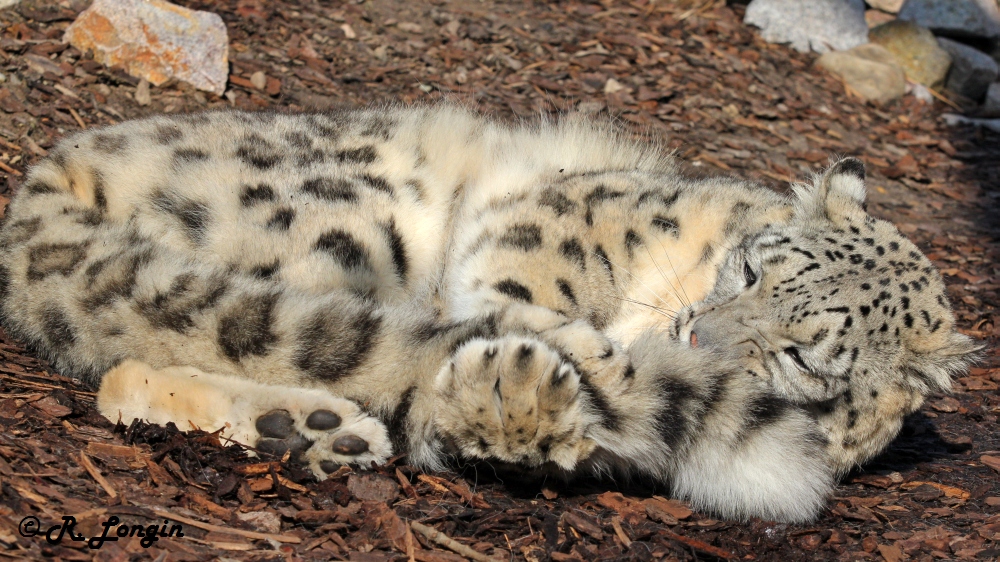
869, 70
966, 19
916, 50
991, 106
972, 71
818, 25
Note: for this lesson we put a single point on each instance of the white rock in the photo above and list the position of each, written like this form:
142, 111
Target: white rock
155, 40
259, 80
7, 3
818, 25
922, 93
970, 19
612, 86
952, 120
870, 70
972, 71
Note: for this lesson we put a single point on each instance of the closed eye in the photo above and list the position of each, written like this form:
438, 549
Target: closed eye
793, 354
749, 275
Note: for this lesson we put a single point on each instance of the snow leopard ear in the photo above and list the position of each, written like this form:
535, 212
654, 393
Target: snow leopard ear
932, 370
838, 194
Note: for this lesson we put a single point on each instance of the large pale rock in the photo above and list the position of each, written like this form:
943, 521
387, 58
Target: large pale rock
891, 6
818, 25
7, 3
155, 40
870, 70
972, 71
915, 49
968, 19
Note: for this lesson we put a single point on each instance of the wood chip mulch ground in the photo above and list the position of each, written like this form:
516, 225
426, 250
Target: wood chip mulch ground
687, 72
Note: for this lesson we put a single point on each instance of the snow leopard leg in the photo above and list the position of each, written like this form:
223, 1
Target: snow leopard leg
555, 391
314, 426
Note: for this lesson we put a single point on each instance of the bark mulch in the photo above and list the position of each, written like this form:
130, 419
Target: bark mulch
686, 72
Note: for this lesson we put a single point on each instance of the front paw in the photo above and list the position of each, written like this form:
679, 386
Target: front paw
517, 400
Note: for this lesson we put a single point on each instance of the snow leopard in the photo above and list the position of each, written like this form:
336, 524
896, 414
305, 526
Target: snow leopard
345, 286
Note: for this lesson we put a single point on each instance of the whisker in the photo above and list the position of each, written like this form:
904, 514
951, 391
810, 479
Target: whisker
664, 275
647, 287
666, 313
680, 281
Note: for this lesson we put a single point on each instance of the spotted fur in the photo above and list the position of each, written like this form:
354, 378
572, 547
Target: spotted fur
552, 296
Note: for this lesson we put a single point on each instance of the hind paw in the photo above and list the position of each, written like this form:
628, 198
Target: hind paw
315, 428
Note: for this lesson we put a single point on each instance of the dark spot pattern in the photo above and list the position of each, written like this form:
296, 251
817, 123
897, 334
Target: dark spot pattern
256, 151
246, 328
175, 309
168, 134
329, 189
331, 346
362, 155
281, 219
397, 248
344, 248
57, 328
261, 193
525, 237
109, 143
572, 250
514, 290
193, 215
189, 156
49, 259
557, 201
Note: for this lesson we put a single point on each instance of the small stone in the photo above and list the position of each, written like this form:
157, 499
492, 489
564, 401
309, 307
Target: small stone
972, 71
348, 31
258, 80
991, 106
410, 27
993, 501
142, 96
612, 86
818, 25
7, 3
968, 19
869, 70
155, 40
916, 50
891, 6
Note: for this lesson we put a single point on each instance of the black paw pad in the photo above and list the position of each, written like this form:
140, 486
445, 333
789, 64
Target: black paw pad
328, 466
322, 420
350, 445
297, 444
276, 423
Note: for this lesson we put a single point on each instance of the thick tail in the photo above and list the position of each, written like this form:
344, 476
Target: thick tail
692, 419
